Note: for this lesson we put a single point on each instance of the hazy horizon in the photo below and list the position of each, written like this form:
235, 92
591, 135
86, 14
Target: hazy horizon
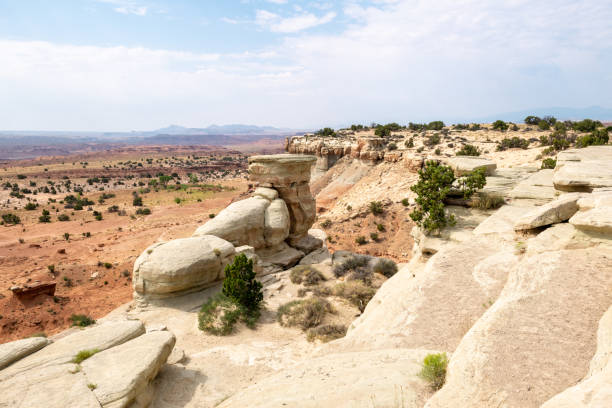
121, 65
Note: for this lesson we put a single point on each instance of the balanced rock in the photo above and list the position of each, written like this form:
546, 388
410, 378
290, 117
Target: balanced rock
241, 223
289, 174
181, 265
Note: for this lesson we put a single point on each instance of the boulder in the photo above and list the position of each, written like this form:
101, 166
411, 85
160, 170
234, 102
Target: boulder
269, 194
181, 265
554, 212
276, 224
16, 350
537, 338
307, 243
241, 223
462, 165
249, 252
289, 174
584, 169
339, 380
123, 372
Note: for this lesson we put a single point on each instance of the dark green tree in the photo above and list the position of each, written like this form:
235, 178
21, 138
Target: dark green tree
240, 285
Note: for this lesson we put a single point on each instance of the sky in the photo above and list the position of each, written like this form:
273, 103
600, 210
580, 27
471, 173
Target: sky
120, 65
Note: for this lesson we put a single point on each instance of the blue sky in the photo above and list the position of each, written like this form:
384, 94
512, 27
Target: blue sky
143, 64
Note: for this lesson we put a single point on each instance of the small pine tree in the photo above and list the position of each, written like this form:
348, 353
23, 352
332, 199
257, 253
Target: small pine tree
240, 284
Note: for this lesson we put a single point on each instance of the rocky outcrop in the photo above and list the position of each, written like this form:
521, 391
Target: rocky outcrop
125, 360
538, 187
554, 212
16, 350
181, 266
537, 338
584, 169
289, 175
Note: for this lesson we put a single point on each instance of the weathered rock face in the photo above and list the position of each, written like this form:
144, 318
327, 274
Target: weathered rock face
554, 212
116, 377
241, 223
596, 389
542, 311
289, 174
595, 213
276, 224
16, 350
584, 169
181, 265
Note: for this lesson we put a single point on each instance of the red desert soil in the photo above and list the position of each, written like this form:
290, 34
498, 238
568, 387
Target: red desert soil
85, 285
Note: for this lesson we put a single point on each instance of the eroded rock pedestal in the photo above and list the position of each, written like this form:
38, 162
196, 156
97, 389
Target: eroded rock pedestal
289, 174
271, 227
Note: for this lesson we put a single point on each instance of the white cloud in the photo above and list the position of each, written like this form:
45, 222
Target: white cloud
277, 1
396, 61
127, 7
278, 24
229, 20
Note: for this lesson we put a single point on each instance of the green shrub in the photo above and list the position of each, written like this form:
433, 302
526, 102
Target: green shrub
409, 143
326, 224
435, 125
66, 236
435, 181
63, 217
81, 320
305, 274
11, 219
385, 267
240, 284
434, 370
532, 120
376, 207
433, 140
474, 127
219, 314
45, 217
31, 206
84, 355
356, 292
484, 201
326, 332
586, 125
373, 236
177, 200
512, 143
468, 150
326, 132
380, 227
143, 211
543, 125
361, 240
304, 313
392, 146
597, 137
351, 264
549, 163
405, 202
500, 125
137, 201
432, 188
